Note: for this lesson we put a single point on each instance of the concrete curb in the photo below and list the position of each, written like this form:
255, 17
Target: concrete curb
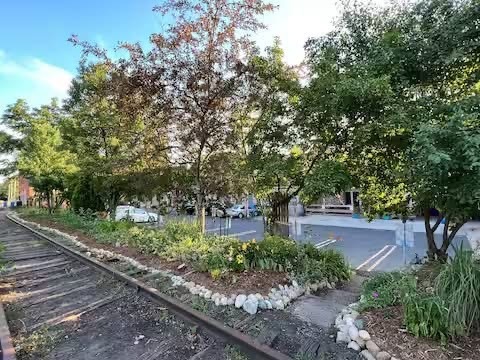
7, 351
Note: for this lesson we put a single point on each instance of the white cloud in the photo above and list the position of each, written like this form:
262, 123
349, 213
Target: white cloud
295, 21
32, 79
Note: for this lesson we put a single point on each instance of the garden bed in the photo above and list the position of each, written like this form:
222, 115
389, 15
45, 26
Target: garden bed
386, 326
430, 313
259, 281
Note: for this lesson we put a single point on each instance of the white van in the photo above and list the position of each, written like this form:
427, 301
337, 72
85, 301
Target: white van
127, 212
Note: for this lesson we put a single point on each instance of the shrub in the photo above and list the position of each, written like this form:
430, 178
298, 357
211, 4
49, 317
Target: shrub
458, 284
426, 315
386, 289
183, 241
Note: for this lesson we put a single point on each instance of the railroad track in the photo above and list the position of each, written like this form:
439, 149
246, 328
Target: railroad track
77, 307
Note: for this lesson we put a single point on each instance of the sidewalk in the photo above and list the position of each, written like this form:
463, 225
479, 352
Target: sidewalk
471, 230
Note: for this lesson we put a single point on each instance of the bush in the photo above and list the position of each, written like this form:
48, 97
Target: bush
426, 316
458, 284
386, 289
183, 241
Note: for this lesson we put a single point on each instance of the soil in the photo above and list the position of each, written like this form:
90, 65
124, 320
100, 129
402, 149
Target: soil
257, 281
56, 311
388, 331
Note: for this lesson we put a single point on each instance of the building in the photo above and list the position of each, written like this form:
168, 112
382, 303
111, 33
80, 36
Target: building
19, 189
344, 203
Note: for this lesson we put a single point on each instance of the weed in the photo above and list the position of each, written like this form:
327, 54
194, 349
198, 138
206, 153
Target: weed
233, 353
35, 345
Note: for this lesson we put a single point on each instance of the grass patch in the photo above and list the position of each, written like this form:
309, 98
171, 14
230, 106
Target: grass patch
35, 345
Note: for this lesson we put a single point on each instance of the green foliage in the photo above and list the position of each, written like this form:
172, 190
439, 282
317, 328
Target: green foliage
35, 345
218, 255
449, 309
427, 316
42, 158
458, 284
386, 289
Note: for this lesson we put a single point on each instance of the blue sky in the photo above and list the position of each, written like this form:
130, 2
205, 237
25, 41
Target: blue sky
37, 62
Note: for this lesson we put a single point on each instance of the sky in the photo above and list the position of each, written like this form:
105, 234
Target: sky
37, 63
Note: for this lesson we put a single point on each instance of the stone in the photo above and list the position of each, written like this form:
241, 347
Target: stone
259, 296
339, 321
268, 304
342, 337
329, 286
240, 300
353, 345
348, 320
353, 332
194, 290
250, 306
230, 301
215, 296
372, 347
343, 328
285, 299
217, 301
394, 358
252, 297
364, 335
360, 342
278, 304
359, 324
367, 355
224, 301
208, 294
262, 305
295, 283
314, 287
383, 355
354, 314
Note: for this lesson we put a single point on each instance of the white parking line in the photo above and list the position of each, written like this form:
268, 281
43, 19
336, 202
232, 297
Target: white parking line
324, 243
382, 258
216, 229
243, 233
372, 257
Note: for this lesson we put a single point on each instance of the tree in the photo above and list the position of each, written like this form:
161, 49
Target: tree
291, 142
42, 159
194, 75
114, 143
402, 73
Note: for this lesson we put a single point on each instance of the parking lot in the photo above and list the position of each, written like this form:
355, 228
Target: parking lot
367, 249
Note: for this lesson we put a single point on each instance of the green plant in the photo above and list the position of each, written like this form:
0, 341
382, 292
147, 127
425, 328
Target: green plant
35, 345
426, 316
458, 284
386, 289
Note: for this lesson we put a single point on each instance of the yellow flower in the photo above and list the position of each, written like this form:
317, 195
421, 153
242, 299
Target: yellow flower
254, 241
244, 246
240, 259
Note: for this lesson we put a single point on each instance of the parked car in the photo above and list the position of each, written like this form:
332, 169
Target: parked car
239, 211
130, 213
221, 210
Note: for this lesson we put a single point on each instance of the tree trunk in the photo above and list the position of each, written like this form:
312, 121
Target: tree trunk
432, 247
49, 205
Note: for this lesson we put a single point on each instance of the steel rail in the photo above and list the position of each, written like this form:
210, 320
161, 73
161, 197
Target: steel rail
247, 343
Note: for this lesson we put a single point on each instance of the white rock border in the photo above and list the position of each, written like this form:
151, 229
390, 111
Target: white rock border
355, 338
277, 299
